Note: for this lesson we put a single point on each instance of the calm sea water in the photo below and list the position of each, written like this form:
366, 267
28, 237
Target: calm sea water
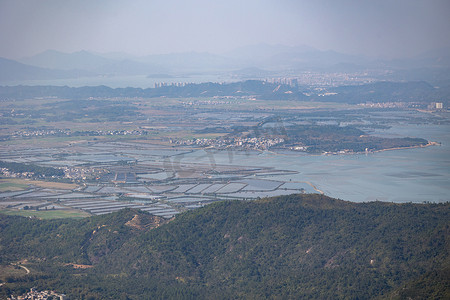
410, 175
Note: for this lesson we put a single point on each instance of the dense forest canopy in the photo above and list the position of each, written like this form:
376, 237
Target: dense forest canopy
37, 171
293, 246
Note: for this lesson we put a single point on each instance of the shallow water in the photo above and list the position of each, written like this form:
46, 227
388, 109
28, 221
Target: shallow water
409, 175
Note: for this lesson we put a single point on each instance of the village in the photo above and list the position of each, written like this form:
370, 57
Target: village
254, 143
33, 294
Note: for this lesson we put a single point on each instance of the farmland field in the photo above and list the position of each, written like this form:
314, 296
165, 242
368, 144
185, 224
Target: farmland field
49, 214
12, 185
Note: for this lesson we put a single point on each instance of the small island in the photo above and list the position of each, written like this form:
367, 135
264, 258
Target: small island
313, 139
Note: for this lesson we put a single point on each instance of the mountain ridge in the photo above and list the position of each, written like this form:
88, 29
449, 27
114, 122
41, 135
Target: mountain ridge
283, 247
383, 91
13, 70
280, 59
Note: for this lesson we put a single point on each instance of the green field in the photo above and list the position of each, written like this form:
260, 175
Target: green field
6, 186
50, 214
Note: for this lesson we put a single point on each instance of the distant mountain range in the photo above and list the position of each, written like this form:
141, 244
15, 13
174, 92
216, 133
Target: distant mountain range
261, 60
91, 62
13, 70
383, 91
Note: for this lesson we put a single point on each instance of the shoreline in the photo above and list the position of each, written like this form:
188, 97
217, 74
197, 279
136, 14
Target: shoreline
314, 187
274, 152
409, 147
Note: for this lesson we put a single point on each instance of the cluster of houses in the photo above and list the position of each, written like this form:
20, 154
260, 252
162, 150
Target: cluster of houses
83, 173
260, 143
36, 295
41, 132
67, 132
8, 173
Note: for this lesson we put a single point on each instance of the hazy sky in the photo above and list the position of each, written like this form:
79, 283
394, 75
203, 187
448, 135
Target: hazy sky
390, 28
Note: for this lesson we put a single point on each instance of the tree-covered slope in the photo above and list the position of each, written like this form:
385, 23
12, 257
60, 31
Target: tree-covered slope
298, 246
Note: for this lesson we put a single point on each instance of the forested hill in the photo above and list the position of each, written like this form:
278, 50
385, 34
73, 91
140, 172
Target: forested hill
297, 246
414, 91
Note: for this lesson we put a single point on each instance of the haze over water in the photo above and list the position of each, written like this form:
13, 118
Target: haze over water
410, 175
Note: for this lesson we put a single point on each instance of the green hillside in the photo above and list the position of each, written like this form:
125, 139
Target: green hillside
298, 246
